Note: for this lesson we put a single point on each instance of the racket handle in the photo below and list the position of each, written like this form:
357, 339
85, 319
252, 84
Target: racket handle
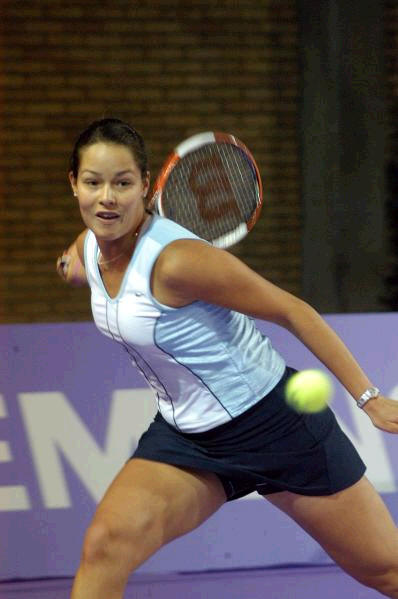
70, 267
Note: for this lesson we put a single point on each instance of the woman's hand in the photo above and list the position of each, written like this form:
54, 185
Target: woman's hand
383, 412
62, 265
70, 267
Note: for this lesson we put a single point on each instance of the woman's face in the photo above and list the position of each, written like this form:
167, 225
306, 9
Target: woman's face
110, 189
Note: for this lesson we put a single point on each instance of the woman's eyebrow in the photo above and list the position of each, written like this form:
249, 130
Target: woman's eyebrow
126, 171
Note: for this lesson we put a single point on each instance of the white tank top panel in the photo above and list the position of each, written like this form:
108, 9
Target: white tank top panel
206, 364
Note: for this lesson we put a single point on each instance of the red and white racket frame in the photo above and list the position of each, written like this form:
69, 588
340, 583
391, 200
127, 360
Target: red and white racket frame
189, 145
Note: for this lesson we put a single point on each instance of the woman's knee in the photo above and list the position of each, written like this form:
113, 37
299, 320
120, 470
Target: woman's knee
110, 539
386, 582
382, 577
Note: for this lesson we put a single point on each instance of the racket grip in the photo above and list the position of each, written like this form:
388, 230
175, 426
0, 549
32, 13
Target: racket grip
71, 267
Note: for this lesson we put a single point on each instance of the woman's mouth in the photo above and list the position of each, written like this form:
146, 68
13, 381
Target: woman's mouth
107, 216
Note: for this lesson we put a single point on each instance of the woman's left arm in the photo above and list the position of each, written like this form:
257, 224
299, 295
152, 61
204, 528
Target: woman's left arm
190, 270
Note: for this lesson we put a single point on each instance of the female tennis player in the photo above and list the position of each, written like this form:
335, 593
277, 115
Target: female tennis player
184, 310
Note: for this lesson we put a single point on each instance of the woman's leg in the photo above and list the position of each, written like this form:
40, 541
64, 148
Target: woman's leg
147, 505
355, 529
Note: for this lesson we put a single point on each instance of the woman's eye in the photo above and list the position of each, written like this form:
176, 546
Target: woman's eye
91, 182
124, 183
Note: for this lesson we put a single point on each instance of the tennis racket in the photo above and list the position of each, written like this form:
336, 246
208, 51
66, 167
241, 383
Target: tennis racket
210, 184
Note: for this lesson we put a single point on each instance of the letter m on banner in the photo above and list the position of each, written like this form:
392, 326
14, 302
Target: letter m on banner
54, 427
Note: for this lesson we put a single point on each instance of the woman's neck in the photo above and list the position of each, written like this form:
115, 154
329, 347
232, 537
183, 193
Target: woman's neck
114, 254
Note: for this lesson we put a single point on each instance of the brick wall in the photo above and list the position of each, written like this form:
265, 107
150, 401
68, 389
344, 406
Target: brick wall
171, 68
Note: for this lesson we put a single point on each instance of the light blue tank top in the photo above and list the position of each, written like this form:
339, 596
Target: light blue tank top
206, 364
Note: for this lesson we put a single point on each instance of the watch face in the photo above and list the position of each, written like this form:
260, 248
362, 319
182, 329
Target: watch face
368, 394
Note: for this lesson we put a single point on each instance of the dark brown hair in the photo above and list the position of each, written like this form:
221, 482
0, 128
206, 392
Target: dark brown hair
113, 131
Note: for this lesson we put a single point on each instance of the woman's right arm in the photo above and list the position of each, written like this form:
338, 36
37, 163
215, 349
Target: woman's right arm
70, 266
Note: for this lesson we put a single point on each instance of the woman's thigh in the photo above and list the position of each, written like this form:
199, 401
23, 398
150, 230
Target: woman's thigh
160, 500
353, 526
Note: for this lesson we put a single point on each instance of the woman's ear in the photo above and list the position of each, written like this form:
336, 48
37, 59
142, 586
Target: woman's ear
72, 181
147, 180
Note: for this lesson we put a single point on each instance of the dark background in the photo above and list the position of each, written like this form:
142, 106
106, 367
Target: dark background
311, 87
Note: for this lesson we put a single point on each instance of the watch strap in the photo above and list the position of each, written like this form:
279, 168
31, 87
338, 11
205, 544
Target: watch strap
370, 393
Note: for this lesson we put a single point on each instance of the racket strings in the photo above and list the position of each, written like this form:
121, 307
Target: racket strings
212, 190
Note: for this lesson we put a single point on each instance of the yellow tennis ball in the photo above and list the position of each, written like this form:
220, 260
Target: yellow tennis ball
308, 391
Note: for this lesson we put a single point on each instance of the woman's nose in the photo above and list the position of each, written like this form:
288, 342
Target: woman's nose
107, 196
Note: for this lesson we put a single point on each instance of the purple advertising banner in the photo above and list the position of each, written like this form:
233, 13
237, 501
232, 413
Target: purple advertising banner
71, 411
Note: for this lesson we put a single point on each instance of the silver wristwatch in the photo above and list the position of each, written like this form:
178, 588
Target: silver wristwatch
369, 394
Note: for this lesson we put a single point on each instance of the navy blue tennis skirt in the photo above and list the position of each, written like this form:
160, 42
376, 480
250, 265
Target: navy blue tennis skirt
269, 448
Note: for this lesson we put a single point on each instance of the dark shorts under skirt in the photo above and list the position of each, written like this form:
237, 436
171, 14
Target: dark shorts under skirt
269, 448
